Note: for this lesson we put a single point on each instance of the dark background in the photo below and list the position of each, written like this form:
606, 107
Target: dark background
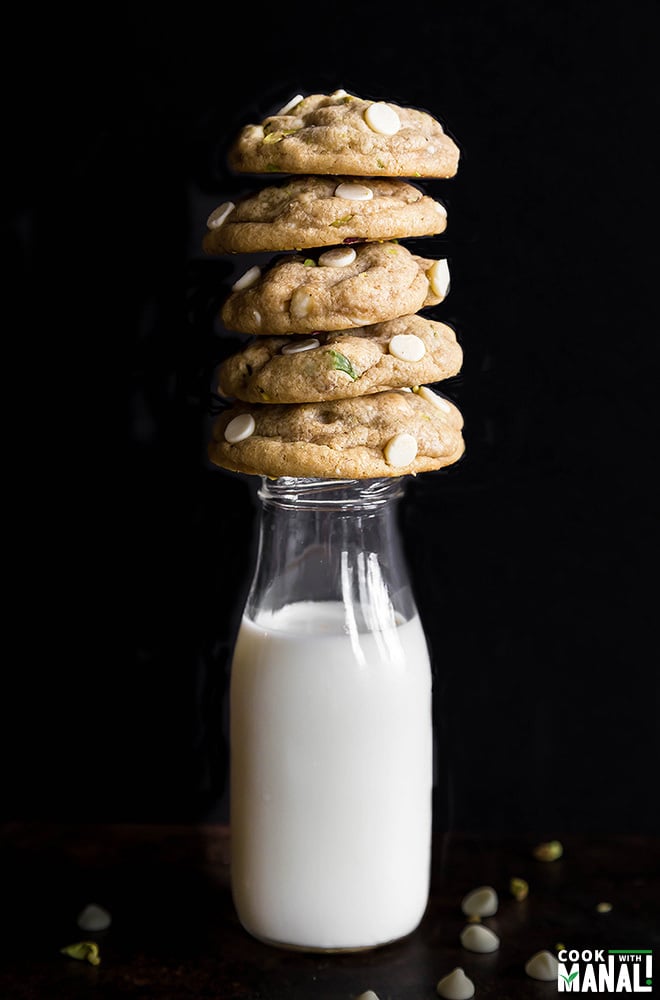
534, 561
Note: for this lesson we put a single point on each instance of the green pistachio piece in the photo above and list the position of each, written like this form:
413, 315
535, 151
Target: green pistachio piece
83, 951
342, 364
273, 137
308, 262
345, 219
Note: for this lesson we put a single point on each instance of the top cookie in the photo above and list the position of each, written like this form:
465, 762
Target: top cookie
321, 211
339, 133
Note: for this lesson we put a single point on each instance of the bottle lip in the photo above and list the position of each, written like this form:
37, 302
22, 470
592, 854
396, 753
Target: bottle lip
330, 494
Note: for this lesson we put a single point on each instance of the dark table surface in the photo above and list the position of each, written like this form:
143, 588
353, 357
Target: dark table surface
174, 933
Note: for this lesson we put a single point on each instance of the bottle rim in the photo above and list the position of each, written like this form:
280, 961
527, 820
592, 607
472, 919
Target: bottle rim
330, 494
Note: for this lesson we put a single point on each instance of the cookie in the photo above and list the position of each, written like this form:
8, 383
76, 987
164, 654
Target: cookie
407, 351
393, 433
349, 286
322, 211
340, 133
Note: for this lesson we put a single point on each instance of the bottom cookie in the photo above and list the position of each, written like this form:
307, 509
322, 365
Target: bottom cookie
391, 433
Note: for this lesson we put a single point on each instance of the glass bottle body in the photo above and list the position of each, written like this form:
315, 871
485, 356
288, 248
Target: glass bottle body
330, 725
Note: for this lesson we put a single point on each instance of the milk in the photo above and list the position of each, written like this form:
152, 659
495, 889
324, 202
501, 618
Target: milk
331, 778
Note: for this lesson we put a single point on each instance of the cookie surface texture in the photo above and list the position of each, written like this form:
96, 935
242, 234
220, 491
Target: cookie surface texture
323, 211
375, 282
341, 133
343, 363
392, 433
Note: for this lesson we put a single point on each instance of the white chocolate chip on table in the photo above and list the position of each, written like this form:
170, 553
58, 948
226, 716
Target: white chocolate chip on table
542, 965
481, 902
455, 986
476, 937
94, 918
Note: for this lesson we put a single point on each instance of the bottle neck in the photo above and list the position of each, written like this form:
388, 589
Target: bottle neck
332, 541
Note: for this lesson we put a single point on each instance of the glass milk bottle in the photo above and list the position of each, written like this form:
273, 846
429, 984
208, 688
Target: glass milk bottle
330, 724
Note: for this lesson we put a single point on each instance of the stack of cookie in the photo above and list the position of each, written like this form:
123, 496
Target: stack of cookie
334, 379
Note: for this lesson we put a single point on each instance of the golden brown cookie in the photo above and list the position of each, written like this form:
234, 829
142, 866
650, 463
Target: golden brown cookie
393, 433
322, 211
340, 133
407, 351
343, 287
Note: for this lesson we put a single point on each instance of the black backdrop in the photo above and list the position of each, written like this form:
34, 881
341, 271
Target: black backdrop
534, 561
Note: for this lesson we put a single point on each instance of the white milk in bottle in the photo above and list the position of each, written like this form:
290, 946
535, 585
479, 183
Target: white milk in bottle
331, 741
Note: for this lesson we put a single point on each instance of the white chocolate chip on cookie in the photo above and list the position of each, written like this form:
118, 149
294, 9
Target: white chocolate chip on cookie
247, 280
337, 257
432, 397
407, 347
353, 191
301, 303
290, 105
400, 450
219, 214
240, 428
438, 275
303, 345
381, 118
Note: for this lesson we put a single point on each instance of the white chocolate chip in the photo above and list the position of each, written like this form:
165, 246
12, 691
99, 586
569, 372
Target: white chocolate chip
476, 937
404, 388
400, 450
247, 280
407, 347
339, 93
455, 986
219, 214
381, 118
367, 995
438, 275
353, 192
542, 965
254, 132
256, 316
430, 148
94, 918
481, 902
301, 345
432, 397
337, 257
290, 105
240, 428
301, 303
